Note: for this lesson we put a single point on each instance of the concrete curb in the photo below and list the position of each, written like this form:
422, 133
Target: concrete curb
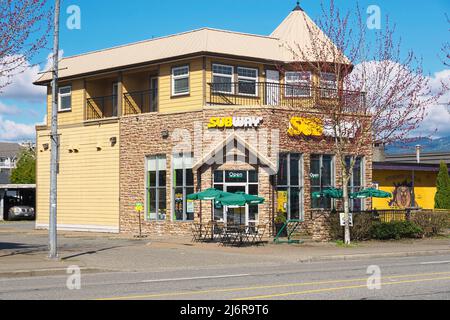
46, 272
363, 256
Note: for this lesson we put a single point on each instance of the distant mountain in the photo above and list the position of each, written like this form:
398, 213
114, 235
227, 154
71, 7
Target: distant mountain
428, 145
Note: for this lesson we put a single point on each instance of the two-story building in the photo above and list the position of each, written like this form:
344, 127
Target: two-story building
154, 121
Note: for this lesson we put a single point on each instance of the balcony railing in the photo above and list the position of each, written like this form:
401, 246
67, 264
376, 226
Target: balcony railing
284, 95
141, 102
102, 107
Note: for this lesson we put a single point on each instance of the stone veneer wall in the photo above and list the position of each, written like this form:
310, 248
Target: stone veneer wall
140, 136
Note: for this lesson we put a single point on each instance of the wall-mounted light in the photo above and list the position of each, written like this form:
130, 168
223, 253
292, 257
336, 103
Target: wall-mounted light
113, 141
46, 146
165, 134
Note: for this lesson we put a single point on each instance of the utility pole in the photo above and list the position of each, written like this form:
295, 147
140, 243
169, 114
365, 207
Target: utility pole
54, 137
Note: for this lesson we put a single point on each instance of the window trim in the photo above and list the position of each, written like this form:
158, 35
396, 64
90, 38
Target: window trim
184, 76
60, 95
289, 186
327, 91
333, 177
351, 187
287, 83
231, 76
157, 187
248, 78
184, 187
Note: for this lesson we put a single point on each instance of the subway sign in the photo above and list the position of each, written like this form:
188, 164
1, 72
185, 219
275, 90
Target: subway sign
234, 122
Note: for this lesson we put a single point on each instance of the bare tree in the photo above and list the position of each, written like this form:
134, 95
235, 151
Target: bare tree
369, 91
24, 29
446, 49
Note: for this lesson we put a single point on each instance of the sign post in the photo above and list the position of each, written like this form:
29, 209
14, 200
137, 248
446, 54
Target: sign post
139, 207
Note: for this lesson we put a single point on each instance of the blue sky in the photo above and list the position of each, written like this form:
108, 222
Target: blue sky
104, 23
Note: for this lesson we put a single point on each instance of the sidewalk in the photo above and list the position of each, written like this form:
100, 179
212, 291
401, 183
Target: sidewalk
23, 253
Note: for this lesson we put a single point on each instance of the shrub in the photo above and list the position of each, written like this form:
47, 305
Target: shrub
361, 230
432, 223
442, 198
396, 230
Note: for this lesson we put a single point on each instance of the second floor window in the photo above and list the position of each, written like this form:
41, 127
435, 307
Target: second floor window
65, 99
222, 78
247, 78
298, 84
328, 85
180, 80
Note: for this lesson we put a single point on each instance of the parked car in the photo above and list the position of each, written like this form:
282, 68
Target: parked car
21, 213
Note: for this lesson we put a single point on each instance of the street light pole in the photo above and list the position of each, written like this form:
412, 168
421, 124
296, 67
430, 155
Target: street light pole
53, 252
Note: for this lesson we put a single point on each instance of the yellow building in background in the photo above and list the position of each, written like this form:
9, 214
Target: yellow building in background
406, 181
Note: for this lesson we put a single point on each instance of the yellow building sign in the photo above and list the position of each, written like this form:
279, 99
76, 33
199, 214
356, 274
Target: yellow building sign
234, 122
310, 127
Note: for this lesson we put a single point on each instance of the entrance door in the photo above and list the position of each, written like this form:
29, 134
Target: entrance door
272, 87
236, 215
115, 99
154, 94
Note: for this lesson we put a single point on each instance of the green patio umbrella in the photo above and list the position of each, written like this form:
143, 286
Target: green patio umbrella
240, 199
208, 194
372, 193
332, 193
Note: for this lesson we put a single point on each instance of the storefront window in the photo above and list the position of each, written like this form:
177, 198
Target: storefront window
322, 178
183, 185
156, 188
290, 186
356, 183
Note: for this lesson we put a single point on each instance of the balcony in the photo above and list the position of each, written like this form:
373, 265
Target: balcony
140, 102
102, 107
275, 94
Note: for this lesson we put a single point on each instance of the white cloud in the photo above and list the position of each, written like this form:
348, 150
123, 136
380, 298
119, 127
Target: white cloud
13, 131
437, 122
22, 87
8, 110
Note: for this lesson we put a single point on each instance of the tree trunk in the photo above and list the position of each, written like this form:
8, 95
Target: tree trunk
346, 210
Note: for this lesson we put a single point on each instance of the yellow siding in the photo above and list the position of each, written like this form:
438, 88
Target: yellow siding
425, 188
77, 114
193, 101
88, 183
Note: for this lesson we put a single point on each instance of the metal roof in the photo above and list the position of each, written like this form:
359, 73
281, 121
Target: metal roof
292, 33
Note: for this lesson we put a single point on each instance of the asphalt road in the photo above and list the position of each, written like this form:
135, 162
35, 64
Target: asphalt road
409, 278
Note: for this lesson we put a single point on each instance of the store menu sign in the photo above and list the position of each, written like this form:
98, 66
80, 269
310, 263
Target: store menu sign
309, 127
315, 127
234, 122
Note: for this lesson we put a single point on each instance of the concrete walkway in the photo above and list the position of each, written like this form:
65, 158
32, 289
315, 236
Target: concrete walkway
23, 252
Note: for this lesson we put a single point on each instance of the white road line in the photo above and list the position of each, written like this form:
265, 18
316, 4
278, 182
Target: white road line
435, 262
198, 278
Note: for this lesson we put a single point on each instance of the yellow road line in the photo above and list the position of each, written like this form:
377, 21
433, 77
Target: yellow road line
336, 289
301, 284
